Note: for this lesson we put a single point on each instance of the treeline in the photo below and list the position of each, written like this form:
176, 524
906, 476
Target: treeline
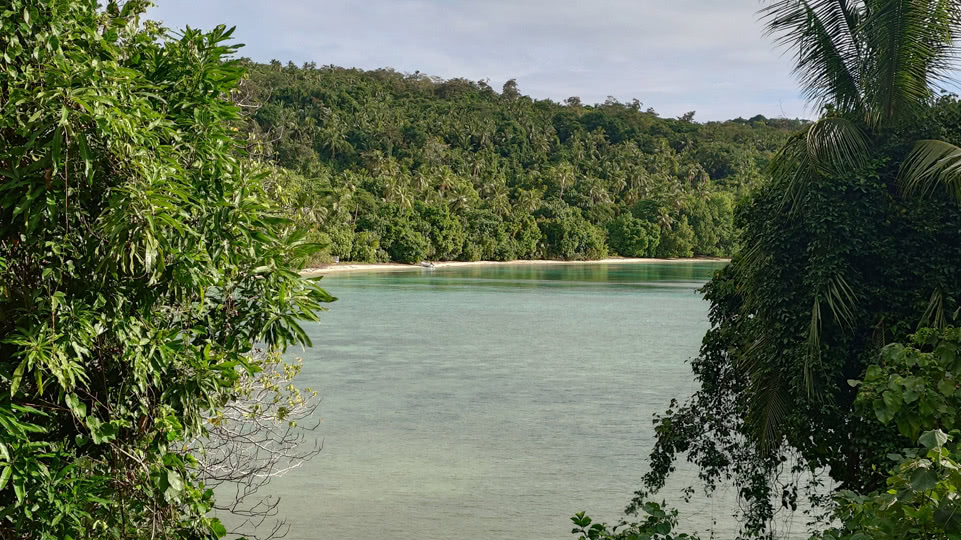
385, 166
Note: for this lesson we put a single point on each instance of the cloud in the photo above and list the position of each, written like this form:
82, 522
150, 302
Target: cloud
675, 56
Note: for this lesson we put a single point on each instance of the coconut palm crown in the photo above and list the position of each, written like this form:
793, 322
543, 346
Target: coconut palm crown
870, 67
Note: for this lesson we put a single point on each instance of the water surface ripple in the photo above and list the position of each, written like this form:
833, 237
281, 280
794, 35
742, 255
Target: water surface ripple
493, 402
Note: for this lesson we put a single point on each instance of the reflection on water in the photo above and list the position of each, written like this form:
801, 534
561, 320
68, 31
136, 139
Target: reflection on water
493, 402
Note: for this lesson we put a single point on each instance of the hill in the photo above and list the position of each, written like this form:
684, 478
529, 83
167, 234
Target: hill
391, 166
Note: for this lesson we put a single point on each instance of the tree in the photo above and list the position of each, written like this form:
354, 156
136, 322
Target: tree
631, 237
458, 146
140, 261
444, 231
873, 66
822, 281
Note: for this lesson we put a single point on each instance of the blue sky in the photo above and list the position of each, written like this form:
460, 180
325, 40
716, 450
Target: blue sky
674, 55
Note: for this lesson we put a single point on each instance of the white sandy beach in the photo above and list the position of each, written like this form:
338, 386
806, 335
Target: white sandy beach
337, 268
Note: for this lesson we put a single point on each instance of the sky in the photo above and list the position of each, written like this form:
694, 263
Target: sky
676, 56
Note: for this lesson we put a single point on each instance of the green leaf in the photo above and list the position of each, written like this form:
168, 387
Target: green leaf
218, 528
909, 426
933, 439
924, 480
881, 411
17, 376
947, 386
5, 476
175, 483
892, 400
78, 407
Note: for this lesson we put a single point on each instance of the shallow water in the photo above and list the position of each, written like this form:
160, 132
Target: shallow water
493, 402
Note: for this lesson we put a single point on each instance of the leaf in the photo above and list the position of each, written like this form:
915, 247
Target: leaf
892, 400
17, 376
933, 439
174, 482
909, 426
5, 476
931, 163
78, 407
947, 386
924, 480
882, 411
218, 528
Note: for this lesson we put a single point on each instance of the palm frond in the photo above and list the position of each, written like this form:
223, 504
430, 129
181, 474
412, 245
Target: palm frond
929, 164
837, 145
910, 49
934, 315
750, 258
841, 300
767, 416
767, 408
827, 147
826, 50
814, 349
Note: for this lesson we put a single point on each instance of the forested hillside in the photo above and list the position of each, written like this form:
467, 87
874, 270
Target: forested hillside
390, 166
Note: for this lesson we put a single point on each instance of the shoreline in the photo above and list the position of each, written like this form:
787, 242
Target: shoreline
339, 268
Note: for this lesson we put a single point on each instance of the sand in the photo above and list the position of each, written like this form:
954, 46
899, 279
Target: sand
337, 268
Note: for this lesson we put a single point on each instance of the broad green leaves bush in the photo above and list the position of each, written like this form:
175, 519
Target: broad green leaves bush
140, 262
660, 523
914, 386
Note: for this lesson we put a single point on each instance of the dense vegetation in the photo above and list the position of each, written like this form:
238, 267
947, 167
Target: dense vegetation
145, 251
387, 166
851, 246
140, 262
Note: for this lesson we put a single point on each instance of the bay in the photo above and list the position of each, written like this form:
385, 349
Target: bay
493, 402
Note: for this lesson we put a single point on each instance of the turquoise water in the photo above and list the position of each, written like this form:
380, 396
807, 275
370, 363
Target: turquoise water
493, 402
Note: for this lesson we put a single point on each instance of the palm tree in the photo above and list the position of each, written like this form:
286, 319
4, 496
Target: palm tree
870, 66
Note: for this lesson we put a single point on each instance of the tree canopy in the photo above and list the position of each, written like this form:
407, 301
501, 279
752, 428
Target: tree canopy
412, 167
839, 257
140, 261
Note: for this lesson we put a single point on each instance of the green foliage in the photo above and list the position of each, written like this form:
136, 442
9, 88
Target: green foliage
140, 260
341, 242
920, 499
803, 308
444, 232
631, 237
404, 244
836, 263
363, 150
571, 237
366, 247
677, 241
915, 386
659, 524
